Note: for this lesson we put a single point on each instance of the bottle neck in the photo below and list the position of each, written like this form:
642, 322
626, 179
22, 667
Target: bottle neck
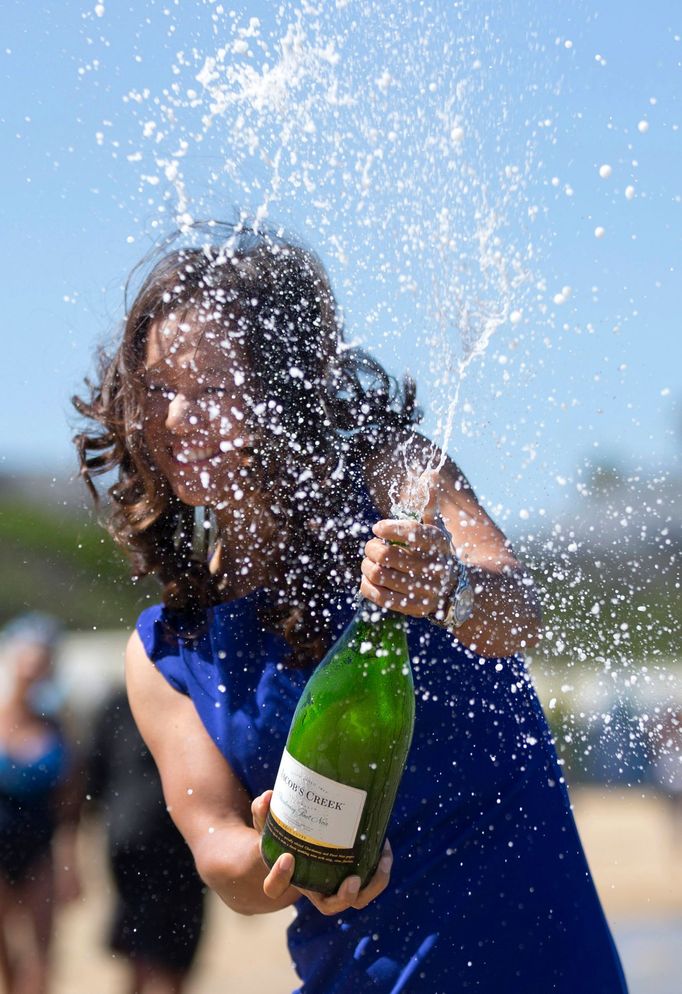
368, 611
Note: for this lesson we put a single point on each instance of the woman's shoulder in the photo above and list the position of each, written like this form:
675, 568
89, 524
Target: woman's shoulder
160, 634
156, 634
163, 630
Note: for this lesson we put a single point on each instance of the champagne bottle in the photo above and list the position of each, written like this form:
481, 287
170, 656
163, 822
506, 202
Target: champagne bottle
345, 755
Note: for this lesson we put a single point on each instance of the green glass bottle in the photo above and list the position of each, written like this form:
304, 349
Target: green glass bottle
345, 755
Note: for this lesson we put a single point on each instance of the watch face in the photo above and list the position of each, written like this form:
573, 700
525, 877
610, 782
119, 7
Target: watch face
463, 605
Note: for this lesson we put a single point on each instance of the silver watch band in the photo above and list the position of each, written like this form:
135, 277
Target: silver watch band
460, 603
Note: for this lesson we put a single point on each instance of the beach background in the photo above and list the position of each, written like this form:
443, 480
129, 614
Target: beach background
631, 832
630, 844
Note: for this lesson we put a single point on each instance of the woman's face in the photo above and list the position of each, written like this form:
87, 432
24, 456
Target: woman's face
195, 423
32, 663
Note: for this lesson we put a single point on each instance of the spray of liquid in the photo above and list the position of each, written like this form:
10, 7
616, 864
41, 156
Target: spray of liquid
469, 307
405, 143
393, 140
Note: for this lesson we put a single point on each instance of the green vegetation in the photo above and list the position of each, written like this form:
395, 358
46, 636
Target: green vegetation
614, 609
67, 565
617, 608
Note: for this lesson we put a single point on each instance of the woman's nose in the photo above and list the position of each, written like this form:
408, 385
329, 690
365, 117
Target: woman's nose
179, 414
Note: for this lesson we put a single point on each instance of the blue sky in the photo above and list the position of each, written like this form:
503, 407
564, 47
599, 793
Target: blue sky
444, 160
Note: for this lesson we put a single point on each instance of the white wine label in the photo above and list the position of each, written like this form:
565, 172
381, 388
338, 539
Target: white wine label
314, 810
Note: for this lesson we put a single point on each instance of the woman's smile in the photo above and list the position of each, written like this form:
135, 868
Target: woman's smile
198, 455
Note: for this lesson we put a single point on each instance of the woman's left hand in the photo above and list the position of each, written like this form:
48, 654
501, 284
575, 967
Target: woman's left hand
413, 577
350, 893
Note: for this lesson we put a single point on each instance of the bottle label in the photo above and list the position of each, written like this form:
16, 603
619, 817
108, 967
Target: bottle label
311, 815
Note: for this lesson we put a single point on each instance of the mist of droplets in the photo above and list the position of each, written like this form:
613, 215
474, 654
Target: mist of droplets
396, 134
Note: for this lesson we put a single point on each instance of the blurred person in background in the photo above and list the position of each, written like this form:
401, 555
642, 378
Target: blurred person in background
159, 909
38, 804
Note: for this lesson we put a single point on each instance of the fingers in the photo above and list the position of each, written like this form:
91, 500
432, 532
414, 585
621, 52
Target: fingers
400, 585
259, 810
436, 518
379, 881
432, 515
431, 574
408, 604
413, 579
349, 894
336, 903
416, 536
278, 879
412, 562
394, 556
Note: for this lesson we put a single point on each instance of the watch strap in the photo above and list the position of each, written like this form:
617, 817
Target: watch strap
460, 602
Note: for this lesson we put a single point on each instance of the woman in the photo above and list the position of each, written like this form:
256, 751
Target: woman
232, 390
38, 807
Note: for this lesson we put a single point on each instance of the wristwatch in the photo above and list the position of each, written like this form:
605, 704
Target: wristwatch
459, 605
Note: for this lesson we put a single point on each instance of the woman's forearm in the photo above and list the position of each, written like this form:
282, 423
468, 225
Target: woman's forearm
506, 617
229, 862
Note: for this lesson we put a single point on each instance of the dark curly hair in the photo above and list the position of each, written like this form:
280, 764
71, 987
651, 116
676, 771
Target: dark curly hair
318, 426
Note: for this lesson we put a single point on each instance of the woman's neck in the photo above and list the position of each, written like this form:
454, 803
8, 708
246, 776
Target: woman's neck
246, 550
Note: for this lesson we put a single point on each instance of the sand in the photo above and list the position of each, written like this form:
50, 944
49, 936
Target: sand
628, 837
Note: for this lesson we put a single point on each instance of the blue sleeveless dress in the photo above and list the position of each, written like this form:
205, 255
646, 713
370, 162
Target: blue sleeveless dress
490, 890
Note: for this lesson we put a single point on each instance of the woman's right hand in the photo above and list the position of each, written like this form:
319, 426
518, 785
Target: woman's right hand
349, 894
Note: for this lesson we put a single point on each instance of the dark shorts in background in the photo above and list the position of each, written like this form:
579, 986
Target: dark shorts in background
159, 914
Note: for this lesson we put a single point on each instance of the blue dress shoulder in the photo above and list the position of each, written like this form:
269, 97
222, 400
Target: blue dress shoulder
490, 890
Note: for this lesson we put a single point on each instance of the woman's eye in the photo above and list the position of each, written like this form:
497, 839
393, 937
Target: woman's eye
156, 390
215, 391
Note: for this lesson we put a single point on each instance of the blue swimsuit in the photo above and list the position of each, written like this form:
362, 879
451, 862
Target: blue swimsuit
27, 806
490, 890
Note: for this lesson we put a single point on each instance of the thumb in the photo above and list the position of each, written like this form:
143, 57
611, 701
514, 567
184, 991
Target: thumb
432, 515
259, 810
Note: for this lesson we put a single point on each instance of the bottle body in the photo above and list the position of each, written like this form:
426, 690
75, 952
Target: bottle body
345, 755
